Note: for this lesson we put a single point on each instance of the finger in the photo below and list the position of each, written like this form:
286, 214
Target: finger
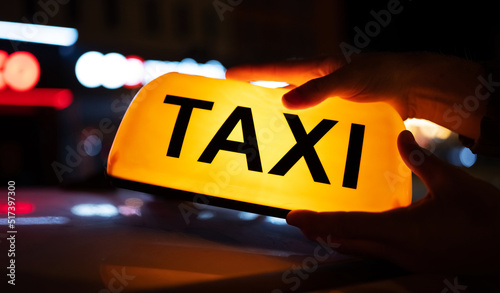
392, 225
295, 72
342, 83
433, 171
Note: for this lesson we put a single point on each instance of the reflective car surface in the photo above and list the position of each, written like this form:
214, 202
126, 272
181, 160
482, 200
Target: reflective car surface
126, 241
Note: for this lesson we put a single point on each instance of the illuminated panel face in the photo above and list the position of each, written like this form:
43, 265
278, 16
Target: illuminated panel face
232, 140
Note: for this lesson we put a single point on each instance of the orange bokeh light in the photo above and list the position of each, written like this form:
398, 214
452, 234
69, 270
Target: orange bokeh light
20, 71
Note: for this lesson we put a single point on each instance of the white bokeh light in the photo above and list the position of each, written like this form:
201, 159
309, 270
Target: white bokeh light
38, 33
467, 158
188, 66
92, 145
135, 71
246, 216
275, 221
87, 69
155, 68
114, 69
213, 69
95, 210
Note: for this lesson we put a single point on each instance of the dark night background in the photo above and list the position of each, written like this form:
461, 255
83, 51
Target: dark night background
250, 32
79, 230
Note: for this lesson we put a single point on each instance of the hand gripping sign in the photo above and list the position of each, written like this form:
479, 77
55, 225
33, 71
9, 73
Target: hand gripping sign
236, 144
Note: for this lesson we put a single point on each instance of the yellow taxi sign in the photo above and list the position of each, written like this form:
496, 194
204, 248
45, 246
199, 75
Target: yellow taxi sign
236, 143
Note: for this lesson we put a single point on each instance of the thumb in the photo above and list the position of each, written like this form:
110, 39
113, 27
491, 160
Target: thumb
339, 83
432, 170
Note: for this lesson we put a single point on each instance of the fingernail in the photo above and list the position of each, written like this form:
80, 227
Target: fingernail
291, 99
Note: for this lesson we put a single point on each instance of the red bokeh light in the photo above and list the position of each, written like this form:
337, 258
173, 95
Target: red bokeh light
136, 71
20, 208
57, 98
3, 57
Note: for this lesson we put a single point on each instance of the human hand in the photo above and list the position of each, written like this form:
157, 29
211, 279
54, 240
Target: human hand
417, 85
455, 228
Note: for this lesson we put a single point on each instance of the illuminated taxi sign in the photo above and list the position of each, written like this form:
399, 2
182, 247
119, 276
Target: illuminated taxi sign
236, 143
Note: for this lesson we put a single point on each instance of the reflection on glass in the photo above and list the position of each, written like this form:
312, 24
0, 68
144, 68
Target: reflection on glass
276, 221
205, 215
38, 221
99, 210
247, 216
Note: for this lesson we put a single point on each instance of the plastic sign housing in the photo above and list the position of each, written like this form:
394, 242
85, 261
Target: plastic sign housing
236, 145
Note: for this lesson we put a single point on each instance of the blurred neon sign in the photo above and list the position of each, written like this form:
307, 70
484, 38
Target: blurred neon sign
20, 208
20, 71
38, 33
113, 70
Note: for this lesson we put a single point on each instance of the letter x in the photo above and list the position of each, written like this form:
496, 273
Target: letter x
304, 148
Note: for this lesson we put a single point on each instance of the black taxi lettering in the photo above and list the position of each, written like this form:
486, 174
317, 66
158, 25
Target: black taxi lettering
304, 146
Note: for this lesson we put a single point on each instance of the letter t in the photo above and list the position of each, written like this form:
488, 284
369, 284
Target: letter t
181, 124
